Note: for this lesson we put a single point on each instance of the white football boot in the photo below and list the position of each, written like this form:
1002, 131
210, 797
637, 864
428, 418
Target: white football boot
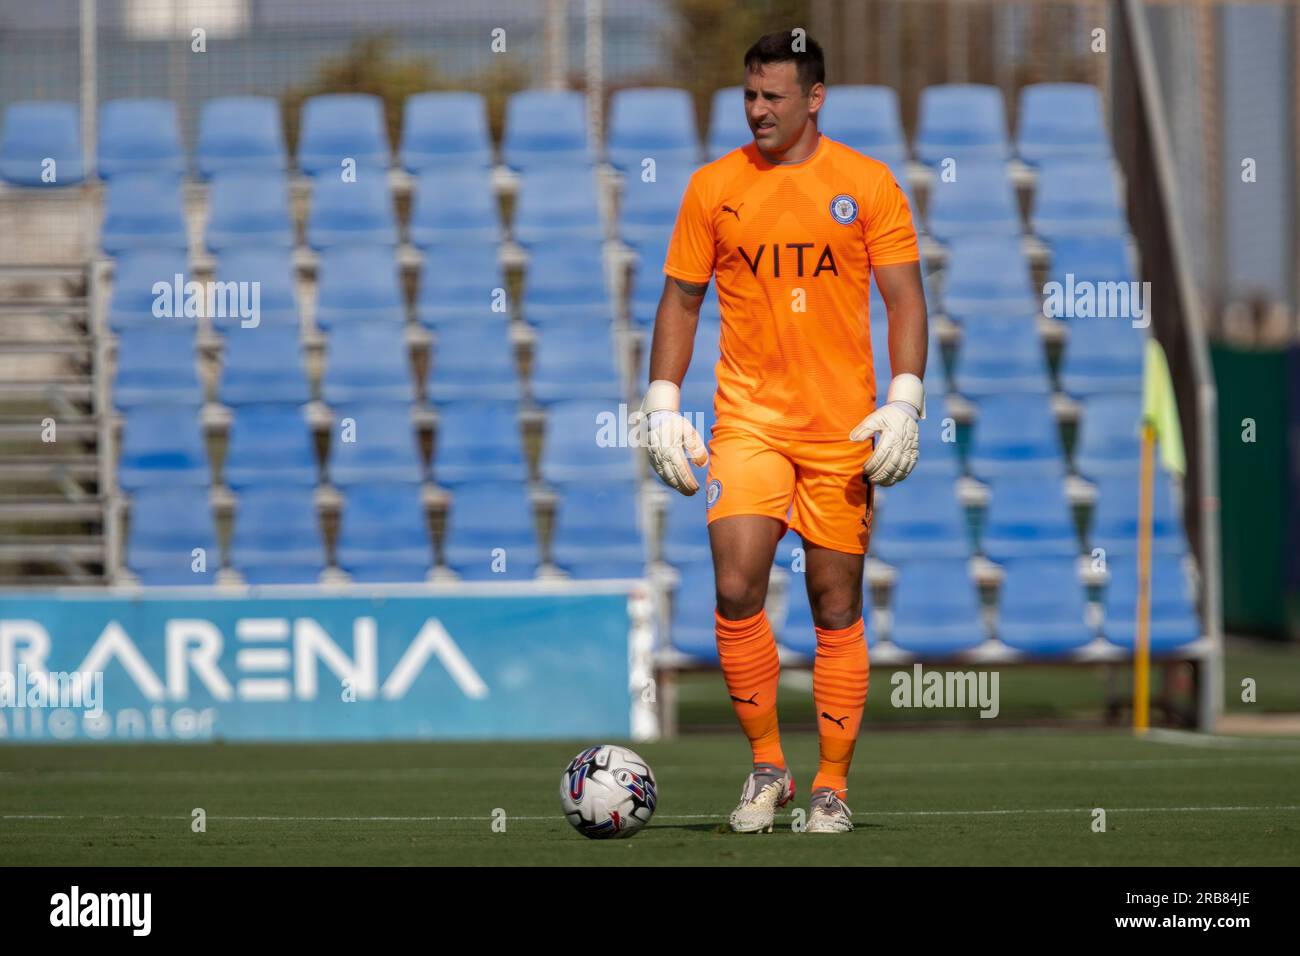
766, 788
828, 813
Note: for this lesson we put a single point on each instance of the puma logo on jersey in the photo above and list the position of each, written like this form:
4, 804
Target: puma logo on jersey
794, 259
742, 700
735, 212
837, 721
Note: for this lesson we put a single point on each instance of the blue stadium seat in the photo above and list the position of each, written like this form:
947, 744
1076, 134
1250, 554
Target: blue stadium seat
162, 446
648, 281
143, 212
919, 518
445, 131
573, 361
936, 608
656, 123
156, 366
798, 630
351, 213
248, 209
270, 278
485, 516
1108, 442
263, 364
963, 122
1028, 517
241, 134
455, 206
1016, 434
546, 128
1115, 517
1077, 198
383, 446
367, 362
277, 537
1059, 121
384, 534
649, 209
597, 531
478, 441
694, 602
686, 531
987, 276
583, 443
979, 201
135, 274
1095, 258
728, 128
867, 119
1103, 357
339, 126
35, 133
1174, 621
700, 382
473, 360
1041, 607
566, 283
270, 444
167, 524
558, 205
1000, 355
358, 284
139, 136
460, 284
940, 455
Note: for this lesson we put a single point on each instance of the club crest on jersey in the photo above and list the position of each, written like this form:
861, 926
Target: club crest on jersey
844, 208
713, 494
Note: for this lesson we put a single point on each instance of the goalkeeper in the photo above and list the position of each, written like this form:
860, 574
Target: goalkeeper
793, 225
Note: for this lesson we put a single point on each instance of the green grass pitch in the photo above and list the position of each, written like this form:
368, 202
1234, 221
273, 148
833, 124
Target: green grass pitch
952, 797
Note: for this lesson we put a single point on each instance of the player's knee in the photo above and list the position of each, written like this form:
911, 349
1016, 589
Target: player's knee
738, 596
834, 610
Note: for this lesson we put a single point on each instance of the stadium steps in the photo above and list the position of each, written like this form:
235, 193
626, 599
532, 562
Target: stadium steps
51, 510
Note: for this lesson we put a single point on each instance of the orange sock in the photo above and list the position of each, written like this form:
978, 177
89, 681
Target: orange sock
751, 667
840, 676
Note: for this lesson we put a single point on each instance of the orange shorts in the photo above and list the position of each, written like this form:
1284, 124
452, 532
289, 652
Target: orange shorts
815, 487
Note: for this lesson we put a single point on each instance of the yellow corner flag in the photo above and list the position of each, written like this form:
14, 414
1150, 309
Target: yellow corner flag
1159, 424
1160, 410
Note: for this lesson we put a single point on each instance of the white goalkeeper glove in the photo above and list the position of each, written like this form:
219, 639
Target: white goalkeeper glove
900, 436
671, 440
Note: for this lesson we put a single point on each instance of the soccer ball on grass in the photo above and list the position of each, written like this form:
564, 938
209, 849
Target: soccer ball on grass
608, 792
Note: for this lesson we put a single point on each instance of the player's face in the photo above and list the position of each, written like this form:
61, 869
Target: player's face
777, 107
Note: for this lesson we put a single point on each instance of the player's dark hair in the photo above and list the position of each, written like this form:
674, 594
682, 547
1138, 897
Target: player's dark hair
778, 47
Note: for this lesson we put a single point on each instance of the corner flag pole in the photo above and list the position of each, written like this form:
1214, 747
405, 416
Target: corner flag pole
1159, 423
1142, 646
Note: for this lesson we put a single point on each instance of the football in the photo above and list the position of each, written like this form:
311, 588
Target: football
608, 792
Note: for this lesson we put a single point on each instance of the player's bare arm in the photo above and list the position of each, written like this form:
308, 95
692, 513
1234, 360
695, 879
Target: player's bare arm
900, 287
673, 442
895, 420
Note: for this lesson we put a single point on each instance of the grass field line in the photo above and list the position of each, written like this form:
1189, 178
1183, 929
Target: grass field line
555, 817
345, 773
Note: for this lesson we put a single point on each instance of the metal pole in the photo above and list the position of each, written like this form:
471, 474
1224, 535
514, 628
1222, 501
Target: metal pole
1148, 87
595, 31
89, 87
557, 65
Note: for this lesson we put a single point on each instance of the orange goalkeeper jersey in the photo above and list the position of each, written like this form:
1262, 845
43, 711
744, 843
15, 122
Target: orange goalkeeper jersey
792, 247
